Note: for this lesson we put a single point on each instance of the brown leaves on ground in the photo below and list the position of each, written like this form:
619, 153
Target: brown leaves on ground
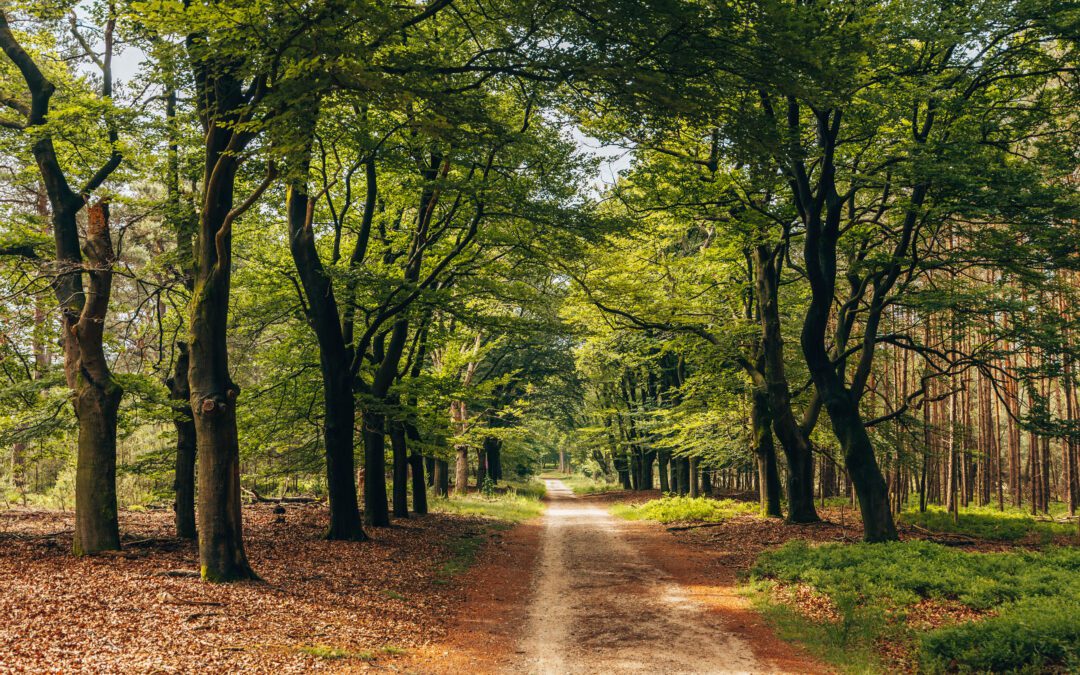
323, 605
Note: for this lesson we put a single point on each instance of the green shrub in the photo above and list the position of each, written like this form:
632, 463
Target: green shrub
685, 509
1033, 635
1035, 597
987, 522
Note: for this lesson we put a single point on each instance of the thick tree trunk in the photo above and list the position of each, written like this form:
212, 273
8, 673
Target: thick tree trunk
494, 457
97, 399
694, 489
96, 527
340, 440
184, 422
429, 465
335, 358
461, 471
400, 491
490, 453
765, 450
442, 478
684, 475
376, 510
793, 439
213, 393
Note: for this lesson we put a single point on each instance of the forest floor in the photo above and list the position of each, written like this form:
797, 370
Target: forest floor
606, 596
323, 606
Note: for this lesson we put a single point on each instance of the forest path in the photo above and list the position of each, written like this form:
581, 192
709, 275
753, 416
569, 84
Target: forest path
606, 601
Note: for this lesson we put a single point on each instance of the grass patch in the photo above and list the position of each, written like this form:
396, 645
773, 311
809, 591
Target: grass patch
394, 651
1029, 601
685, 509
512, 506
988, 523
334, 653
394, 595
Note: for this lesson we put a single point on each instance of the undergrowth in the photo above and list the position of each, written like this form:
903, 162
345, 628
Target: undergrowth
517, 503
988, 523
685, 509
1030, 601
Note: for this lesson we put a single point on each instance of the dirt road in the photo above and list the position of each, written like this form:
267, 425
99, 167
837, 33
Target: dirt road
580, 592
601, 605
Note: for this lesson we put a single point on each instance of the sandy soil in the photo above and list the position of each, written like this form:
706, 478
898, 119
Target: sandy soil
604, 603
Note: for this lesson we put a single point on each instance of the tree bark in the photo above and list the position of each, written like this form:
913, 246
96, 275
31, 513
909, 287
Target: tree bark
765, 450
793, 439
376, 511
461, 470
400, 491
184, 422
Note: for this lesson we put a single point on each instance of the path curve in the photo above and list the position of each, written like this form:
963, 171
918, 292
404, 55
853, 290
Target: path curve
602, 606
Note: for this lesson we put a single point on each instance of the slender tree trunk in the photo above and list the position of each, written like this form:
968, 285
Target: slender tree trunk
662, 461
400, 451
417, 464
184, 421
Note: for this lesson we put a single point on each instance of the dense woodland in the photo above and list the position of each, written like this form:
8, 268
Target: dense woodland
368, 252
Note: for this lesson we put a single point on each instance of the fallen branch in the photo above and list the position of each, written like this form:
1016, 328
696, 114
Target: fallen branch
695, 526
258, 498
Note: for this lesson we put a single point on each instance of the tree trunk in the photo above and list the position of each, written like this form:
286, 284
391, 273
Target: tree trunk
376, 511
429, 464
339, 435
400, 490
335, 358
765, 450
184, 421
793, 439
442, 478
461, 471
662, 460
417, 463
692, 467
684, 476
